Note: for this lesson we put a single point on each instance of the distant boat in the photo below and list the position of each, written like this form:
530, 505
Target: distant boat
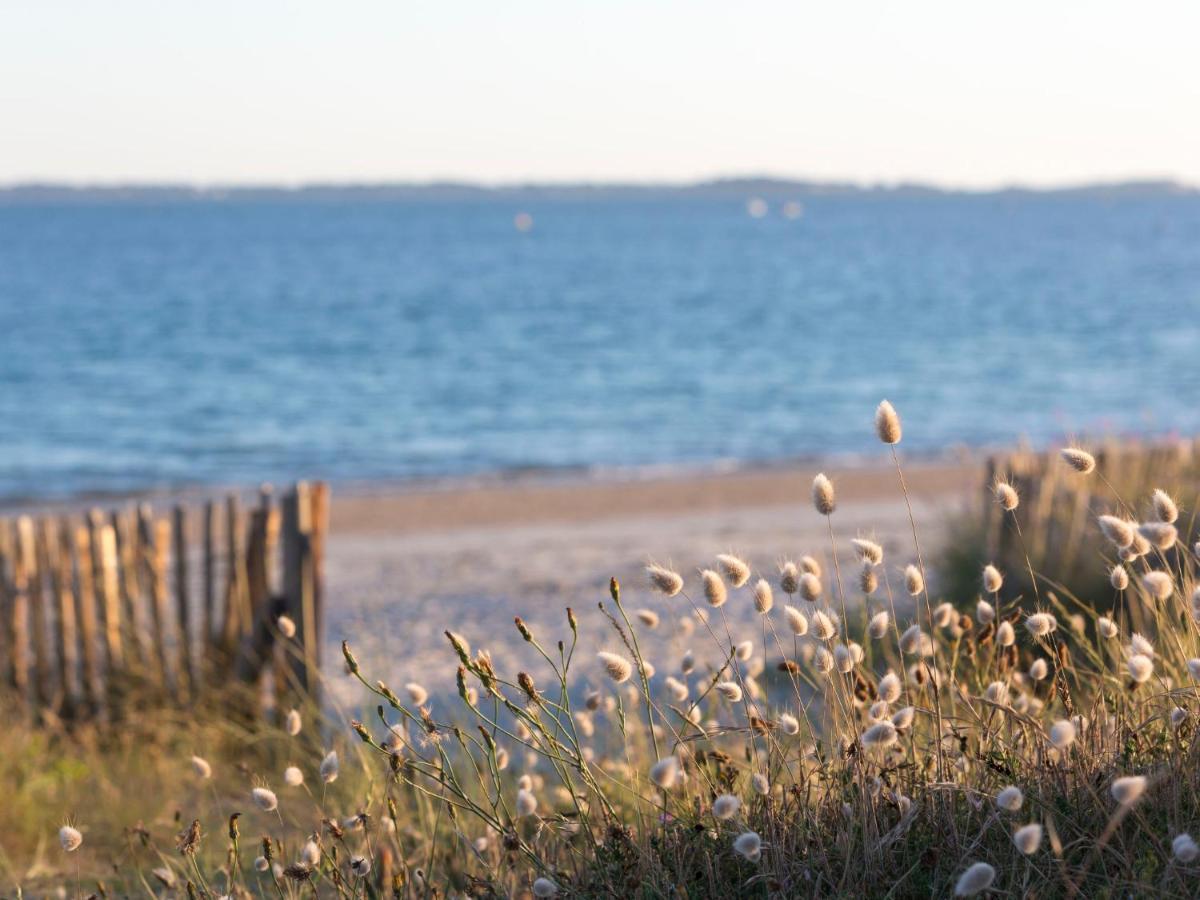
523, 221
756, 207
793, 209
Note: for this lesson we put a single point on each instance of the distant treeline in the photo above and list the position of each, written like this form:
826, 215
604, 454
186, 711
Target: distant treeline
768, 188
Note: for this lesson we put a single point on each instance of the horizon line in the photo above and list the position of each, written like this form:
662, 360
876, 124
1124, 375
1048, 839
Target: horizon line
504, 185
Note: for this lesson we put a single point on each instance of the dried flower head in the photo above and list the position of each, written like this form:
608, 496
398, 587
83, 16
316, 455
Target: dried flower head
914, 581
1010, 799
416, 693
1041, 624
868, 580
730, 690
1160, 535
1158, 585
822, 495
789, 578
329, 767
869, 552
735, 569
914, 640
764, 598
889, 688
618, 668
992, 581
1079, 460
293, 777
823, 625
810, 587
1120, 532
1106, 628
544, 887
1184, 849
526, 804
1006, 496
1141, 668
1165, 508
1128, 789
1039, 669
1028, 838
69, 838
726, 806
1006, 636
810, 565
648, 617
796, 620
264, 799
887, 423
944, 614
1062, 734
714, 588
789, 724
977, 878
664, 580
881, 734
201, 767
984, 612
286, 627
665, 772
903, 717
1118, 577
749, 845
878, 626
360, 866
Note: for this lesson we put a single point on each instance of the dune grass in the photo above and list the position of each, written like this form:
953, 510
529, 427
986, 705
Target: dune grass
867, 738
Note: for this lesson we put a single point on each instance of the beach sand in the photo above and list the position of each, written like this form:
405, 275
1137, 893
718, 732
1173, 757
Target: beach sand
403, 565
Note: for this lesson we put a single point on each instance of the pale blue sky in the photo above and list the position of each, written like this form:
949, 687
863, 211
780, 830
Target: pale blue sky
954, 92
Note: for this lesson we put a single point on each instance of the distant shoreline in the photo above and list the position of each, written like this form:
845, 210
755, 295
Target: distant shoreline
35, 192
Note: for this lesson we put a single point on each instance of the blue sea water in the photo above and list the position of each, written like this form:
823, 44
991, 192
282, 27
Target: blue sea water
151, 345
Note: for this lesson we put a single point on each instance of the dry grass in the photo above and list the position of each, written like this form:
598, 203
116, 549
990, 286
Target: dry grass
870, 756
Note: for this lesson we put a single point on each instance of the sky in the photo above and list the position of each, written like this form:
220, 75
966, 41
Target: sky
954, 93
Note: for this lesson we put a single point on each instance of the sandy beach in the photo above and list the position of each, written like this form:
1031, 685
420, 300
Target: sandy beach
403, 565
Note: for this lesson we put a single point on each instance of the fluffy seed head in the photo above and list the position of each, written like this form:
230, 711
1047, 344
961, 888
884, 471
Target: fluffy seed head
292, 723
1139, 644
984, 611
1010, 799
943, 615
810, 587
869, 552
887, 423
914, 581
618, 668
760, 784
664, 580
1118, 577
416, 693
810, 565
714, 588
1119, 531
264, 799
1194, 668
286, 627
1164, 507
823, 625
749, 845
69, 838
914, 640
796, 620
744, 650
1028, 839
889, 688
1079, 460
687, 663
822, 495
878, 625
977, 878
1106, 628
1006, 636
726, 806
1158, 585
1141, 668
1062, 734
1178, 716
544, 887
868, 580
764, 598
789, 578
1041, 624
201, 767
1161, 535
330, 767
823, 660
1184, 849
789, 724
881, 734
730, 690
903, 717
665, 772
1006, 496
526, 802
842, 659
735, 569
992, 580
1128, 789
293, 777
1038, 669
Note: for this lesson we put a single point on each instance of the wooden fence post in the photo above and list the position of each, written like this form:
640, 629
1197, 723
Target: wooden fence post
59, 545
93, 683
182, 598
18, 623
27, 550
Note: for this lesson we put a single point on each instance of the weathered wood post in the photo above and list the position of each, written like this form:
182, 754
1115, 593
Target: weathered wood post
183, 599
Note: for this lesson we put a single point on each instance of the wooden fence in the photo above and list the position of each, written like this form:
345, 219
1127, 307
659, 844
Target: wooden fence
104, 610
1058, 509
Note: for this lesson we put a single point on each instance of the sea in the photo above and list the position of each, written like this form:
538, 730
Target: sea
160, 345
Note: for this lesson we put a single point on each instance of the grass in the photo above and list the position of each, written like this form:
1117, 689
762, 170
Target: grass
858, 745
